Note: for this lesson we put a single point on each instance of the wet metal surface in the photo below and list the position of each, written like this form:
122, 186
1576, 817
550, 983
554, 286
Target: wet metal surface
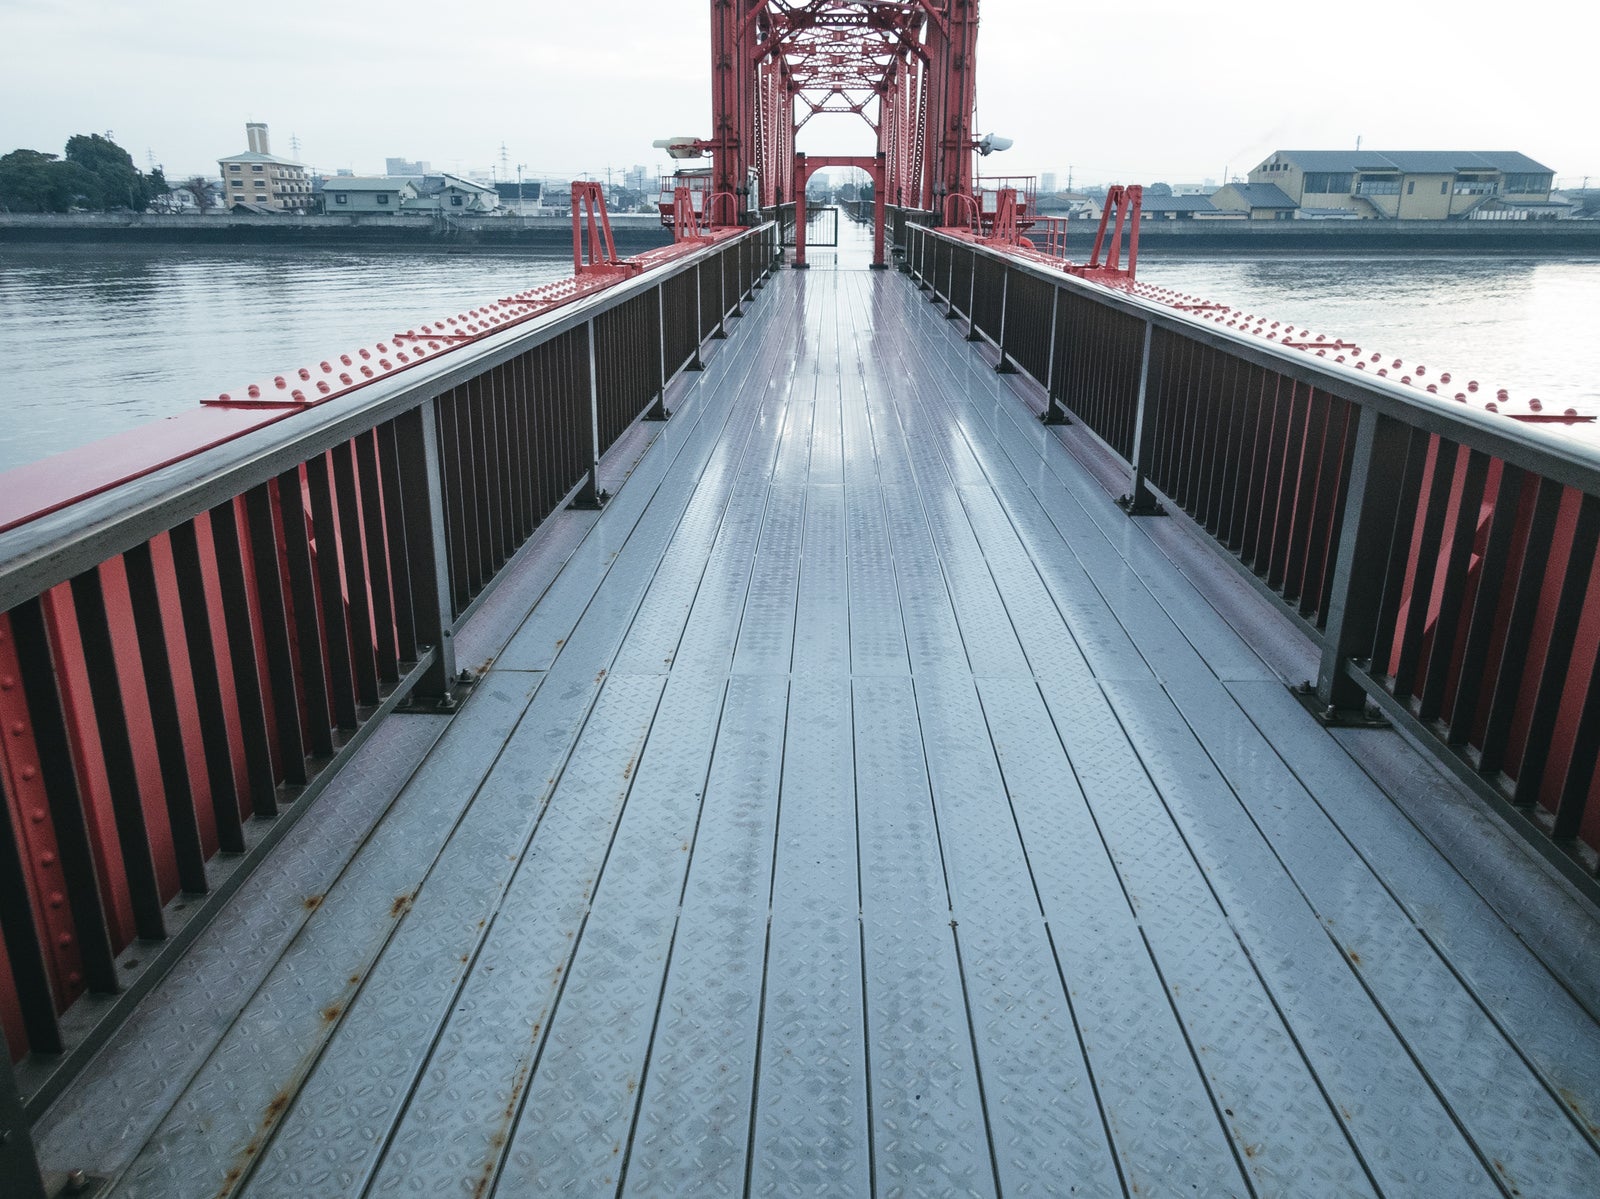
866, 806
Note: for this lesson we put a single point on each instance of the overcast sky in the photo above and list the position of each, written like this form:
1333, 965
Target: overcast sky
1126, 92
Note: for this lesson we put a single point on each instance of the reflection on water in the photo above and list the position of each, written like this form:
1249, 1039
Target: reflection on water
1523, 324
99, 339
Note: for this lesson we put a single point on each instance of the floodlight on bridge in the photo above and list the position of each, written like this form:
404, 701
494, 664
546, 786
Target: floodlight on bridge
990, 142
682, 147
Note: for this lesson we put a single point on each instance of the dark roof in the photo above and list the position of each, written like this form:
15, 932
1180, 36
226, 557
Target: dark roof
1176, 204
1261, 195
363, 183
1415, 162
254, 156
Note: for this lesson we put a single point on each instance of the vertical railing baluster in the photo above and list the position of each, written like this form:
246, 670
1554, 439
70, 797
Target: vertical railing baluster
394, 527
259, 776
427, 560
377, 558
30, 970
1457, 563
116, 750
335, 618
162, 699
195, 610
267, 563
363, 653
1494, 569
306, 613
1434, 515
63, 785
1372, 500
1563, 635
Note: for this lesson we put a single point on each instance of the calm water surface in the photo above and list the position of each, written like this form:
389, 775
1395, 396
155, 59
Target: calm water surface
94, 341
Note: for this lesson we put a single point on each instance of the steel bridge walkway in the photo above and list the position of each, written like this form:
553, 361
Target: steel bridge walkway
861, 804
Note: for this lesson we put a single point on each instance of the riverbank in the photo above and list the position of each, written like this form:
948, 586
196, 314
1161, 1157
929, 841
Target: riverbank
1562, 239
542, 235
636, 232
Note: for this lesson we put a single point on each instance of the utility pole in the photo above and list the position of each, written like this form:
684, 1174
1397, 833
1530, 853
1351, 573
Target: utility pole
1069, 176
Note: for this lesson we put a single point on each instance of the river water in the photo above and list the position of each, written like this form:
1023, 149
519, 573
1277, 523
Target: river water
99, 339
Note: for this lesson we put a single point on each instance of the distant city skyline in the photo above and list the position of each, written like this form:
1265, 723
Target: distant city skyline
1172, 92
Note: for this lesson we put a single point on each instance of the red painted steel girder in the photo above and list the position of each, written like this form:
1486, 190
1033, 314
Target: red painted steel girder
906, 67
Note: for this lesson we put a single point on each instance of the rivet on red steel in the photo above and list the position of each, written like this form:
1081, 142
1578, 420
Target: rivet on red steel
1502, 394
253, 392
322, 386
1461, 396
345, 379
279, 382
1534, 405
1491, 406
382, 348
1421, 370
1433, 389
1472, 385
327, 369
1405, 378
1384, 371
303, 373
364, 353
367, 371
1398, 364
1361, 366
345, 358
386, 364
298, 395
224, 396
1445, 378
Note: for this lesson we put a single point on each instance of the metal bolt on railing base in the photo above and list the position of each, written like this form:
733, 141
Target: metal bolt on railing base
1054, 416
658, 412
589, 501
1364, 717
1004, 367
1142, 504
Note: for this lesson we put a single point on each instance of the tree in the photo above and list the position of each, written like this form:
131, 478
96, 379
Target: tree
202, 189
1158, 189
118, 183
25, 181
32, 181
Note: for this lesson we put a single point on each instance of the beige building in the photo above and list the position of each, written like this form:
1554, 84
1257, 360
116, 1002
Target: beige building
260, 179
1407, 185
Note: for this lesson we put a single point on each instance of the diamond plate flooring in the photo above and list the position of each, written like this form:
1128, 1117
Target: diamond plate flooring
859, 805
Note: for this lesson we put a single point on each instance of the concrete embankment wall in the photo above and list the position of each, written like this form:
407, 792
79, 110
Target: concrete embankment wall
1561, 238
537, 235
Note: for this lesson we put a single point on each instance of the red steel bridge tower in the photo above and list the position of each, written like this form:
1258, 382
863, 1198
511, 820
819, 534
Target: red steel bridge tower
905, 67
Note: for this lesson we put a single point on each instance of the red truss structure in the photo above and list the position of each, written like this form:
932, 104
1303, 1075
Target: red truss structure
906, 67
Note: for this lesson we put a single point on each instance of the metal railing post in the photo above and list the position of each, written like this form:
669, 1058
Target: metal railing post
1054, 412
417, 443
972, 297
19, 1163
720, 333
1003, 367
699, 320
589, 496
1141, 501
658, 410
1370, 507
